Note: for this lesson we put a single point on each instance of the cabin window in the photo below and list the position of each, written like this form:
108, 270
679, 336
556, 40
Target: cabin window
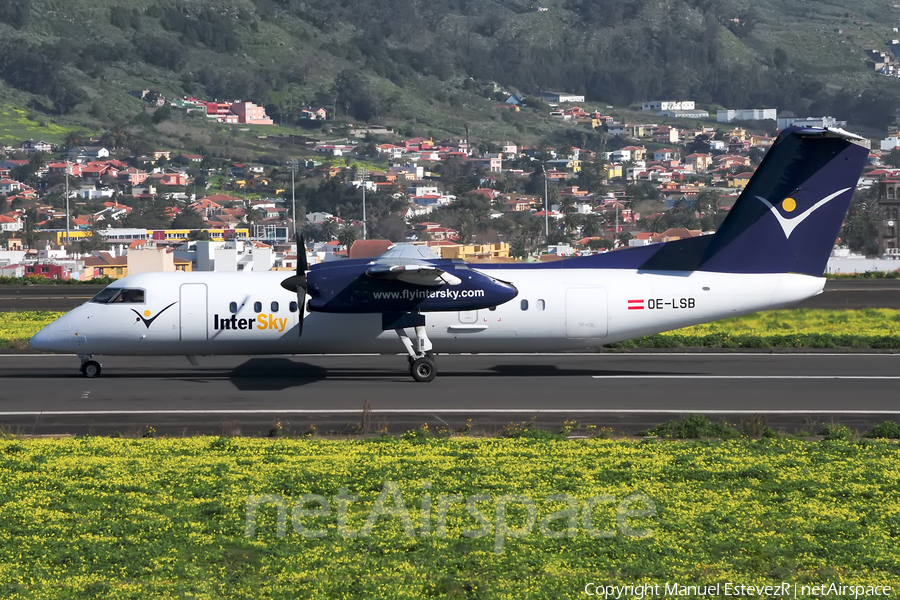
274, 307
257, 307
292, 307
233, 308
524, 304
541, 305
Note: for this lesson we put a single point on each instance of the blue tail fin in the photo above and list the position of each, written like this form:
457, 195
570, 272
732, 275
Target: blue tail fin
789, 215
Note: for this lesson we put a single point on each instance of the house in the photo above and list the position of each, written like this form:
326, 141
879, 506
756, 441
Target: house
739, 180
132, 176
313, 114
206, 208
390, 150
509, 150
61, 168
8, 223
32, 147
158, 154
192, 158
570, 165
665, 135
10, 186
105, 264
517, 205
173, 180
698, 161
664, 154
251, 114
637, 152
493, 163
85, 153
612, 170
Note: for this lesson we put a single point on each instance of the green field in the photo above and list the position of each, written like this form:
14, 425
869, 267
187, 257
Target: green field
153, 518
17, 125
804, 328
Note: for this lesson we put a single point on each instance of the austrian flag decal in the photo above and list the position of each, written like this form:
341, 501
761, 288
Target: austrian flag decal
635, 305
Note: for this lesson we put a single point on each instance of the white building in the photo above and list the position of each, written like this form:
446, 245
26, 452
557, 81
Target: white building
687, 113
668, 105
559, 97
93, 194
890, 143
749, 114
785, 122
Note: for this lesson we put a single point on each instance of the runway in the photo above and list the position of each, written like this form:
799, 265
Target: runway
44, 394
839, 294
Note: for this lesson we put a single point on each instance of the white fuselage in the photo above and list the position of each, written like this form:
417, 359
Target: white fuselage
556, 309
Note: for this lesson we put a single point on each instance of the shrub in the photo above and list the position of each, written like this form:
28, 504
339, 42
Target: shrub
694, 427
835, 432
888, 429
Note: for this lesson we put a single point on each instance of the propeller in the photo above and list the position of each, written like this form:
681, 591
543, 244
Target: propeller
297, 282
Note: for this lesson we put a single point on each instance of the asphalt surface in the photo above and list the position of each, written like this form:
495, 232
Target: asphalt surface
45, 394
839, 293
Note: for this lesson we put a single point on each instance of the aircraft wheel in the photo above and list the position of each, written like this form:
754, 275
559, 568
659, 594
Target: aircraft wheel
91, 369
423, 369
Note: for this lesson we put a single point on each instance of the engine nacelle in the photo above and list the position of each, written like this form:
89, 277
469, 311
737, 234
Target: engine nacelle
350, 286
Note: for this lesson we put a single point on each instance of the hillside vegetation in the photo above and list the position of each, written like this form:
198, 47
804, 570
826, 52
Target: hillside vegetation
436, 63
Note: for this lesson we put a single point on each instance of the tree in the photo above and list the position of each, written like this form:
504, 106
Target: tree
188, 219
330, 229
347, 235
15, 12
592, 225
75, 138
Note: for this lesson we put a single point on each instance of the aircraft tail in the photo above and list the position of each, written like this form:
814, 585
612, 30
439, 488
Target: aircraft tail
788, 217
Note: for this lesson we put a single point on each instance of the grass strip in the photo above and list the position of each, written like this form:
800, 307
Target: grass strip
148, 518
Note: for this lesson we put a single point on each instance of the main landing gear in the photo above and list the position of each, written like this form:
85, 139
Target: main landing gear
421, 358
89, 368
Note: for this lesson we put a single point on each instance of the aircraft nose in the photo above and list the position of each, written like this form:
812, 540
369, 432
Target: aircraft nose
43, 339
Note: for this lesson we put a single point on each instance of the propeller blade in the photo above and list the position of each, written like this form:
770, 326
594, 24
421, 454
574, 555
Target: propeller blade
302, 264
300, 279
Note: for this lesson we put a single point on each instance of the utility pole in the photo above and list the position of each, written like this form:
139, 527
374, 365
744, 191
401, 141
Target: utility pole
67, 204
546, 208
363, 174
292, 165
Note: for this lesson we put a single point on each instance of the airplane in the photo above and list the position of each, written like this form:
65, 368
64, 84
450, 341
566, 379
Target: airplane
770, 251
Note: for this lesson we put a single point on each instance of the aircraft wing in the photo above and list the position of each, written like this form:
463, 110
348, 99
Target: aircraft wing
411, 264
413, 273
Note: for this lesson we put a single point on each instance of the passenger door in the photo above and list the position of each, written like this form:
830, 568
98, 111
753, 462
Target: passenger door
586, 313
193, 312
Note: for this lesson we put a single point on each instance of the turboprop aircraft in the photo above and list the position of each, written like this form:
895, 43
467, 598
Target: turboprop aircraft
771, 250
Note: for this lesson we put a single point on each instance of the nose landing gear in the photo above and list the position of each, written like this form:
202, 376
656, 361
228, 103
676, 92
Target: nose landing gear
89, 368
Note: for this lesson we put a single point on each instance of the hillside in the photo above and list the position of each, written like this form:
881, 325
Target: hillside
439, 65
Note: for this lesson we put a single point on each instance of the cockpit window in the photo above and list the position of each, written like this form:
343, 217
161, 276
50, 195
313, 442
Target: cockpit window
131, 297
116, 295
106, 295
